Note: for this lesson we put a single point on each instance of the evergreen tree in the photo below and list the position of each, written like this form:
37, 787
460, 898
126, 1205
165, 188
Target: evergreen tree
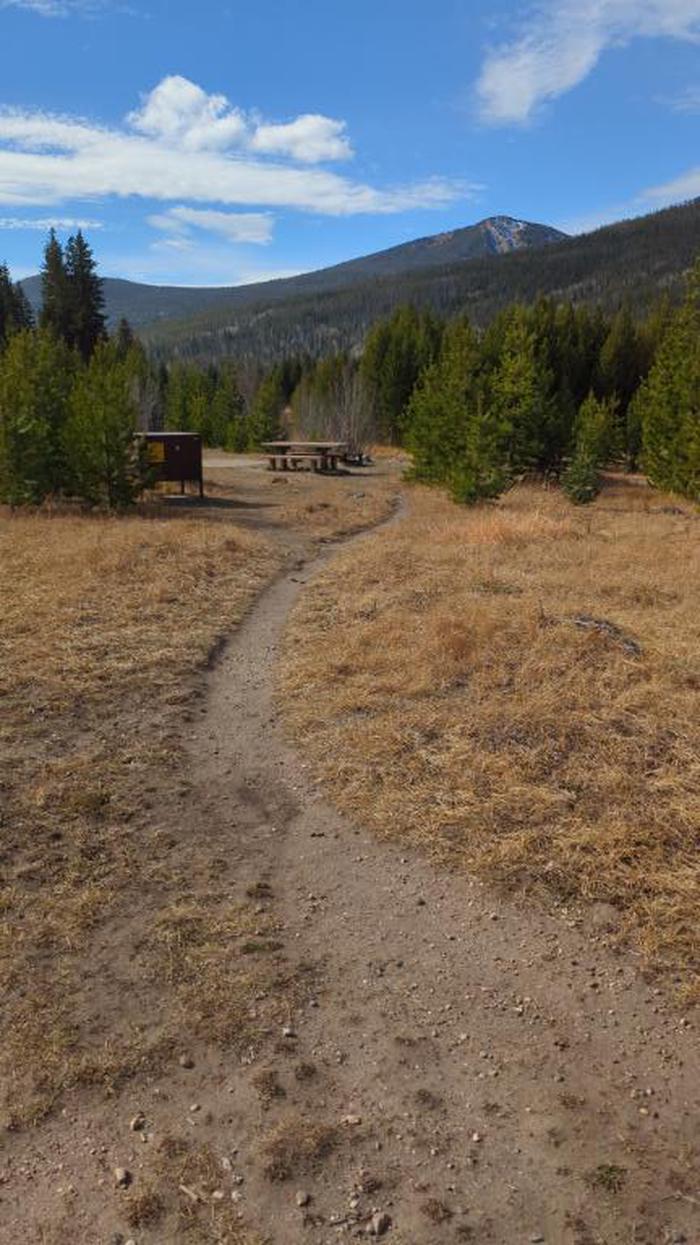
668, 403
227, 416
267, 412
86, 320
106, 464
396, 352
56, 304
36, 373
624, 361
481, 471
124, 338
437, 413
520, 396
596, 440
15, 311
455, 435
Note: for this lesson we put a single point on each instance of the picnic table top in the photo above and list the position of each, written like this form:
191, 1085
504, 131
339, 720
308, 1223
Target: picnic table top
311, 445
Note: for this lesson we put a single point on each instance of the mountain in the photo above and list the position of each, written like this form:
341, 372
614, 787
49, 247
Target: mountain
147, 304
633, 261
475, 271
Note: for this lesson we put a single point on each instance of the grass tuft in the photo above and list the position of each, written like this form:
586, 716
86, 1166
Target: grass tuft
514, 689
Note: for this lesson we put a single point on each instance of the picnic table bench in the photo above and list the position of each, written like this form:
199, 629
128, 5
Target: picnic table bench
289, 455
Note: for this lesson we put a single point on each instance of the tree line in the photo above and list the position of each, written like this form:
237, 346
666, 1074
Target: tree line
71, 396
331, 312
554, 388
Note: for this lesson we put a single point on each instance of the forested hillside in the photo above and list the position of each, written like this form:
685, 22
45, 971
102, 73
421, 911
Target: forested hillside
147, 304
558, 389
633, 261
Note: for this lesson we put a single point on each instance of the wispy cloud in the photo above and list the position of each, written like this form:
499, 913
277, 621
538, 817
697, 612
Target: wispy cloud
55, 8
253, 227
44, 223
190, 265
652, 199
687, 100
559, 42
183, 144
679, 189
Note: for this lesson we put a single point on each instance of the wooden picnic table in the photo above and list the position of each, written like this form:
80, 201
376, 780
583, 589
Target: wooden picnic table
319, 455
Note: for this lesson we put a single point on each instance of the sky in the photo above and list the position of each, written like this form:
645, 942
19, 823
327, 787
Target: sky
218, 144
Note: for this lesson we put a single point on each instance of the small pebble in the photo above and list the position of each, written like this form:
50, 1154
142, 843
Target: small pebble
138, 1122
379, 1224
303, 1198
122, 1177
186, 1061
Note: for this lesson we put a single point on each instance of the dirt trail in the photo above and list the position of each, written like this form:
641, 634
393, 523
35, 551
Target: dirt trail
470, 1067
494, 1073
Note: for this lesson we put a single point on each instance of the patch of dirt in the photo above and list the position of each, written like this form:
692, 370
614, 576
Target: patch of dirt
425, 1059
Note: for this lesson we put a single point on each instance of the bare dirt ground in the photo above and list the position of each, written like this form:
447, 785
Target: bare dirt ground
413, 1056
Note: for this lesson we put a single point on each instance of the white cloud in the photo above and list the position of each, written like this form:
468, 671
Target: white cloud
561, 42
309, 138
179, 111
686, 186
188, 146
43, 224
254, 227
53, 8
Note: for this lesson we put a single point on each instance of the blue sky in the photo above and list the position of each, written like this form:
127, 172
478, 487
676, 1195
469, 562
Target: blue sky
212, 144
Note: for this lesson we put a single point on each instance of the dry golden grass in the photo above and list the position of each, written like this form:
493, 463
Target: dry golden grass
451, 687
105, 625
181, 1200
112, 934
296, 1147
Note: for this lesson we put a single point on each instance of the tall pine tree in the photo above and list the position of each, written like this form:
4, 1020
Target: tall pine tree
668, 403
86, 318
55, 302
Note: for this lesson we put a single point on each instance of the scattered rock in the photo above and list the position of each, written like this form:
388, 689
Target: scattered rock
351, 1120
186, 1061
302, 1198
379, 1224
122, 1177
288, 1032
138, 1123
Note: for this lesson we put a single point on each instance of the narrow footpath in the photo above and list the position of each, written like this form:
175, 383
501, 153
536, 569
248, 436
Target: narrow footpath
479, 1069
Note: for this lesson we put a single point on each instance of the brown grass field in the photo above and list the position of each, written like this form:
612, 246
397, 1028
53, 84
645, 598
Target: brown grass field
515, 689
106, 622
117, 932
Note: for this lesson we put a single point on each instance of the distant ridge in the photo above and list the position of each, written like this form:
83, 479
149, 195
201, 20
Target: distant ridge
474, 271
146, 304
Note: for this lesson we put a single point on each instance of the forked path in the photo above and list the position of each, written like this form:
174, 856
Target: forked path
490, 1071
